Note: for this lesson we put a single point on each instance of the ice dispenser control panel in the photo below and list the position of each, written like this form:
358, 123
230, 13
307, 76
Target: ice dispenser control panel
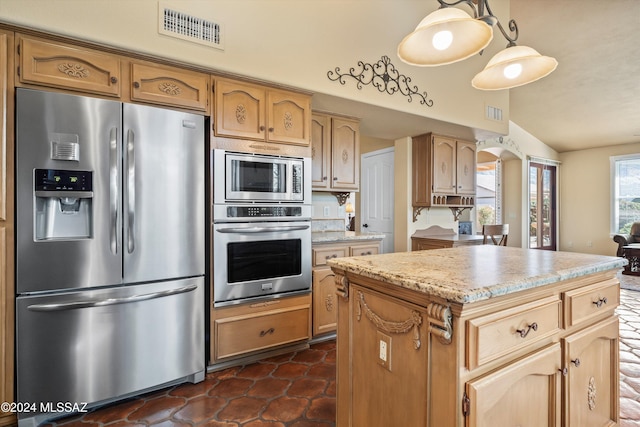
63, 208
62, 180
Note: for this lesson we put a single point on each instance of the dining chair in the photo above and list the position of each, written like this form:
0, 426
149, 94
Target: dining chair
497, 233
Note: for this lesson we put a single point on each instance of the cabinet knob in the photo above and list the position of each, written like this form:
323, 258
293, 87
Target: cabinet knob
600, 302
324, 178
262, 128
114, 80
524, 332
335, 178
270, 129
136, 85
365, 225
267, 332
576, 362
564, 371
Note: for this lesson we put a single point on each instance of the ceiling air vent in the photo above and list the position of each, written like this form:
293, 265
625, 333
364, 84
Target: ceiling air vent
188, 27
493, 113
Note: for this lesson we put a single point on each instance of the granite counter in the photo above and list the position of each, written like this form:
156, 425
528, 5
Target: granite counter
343, 236
475, 273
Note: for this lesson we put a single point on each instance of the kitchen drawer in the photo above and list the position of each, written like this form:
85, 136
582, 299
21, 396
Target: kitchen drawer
260, 331
498, 334
321, 255
590, 301
361, 250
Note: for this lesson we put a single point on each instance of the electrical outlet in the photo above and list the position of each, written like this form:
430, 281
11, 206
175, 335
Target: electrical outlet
326, 211
384, 350
589, 243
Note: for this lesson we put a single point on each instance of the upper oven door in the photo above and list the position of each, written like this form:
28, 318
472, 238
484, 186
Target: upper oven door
260, 178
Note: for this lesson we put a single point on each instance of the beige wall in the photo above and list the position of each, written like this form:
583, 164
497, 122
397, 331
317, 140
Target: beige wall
585, 199
290, 42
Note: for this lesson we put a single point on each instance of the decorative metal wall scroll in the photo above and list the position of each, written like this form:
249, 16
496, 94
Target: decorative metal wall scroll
384, 77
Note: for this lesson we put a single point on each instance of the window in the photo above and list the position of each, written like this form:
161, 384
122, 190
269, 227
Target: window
488, 194
542, 205
625, 191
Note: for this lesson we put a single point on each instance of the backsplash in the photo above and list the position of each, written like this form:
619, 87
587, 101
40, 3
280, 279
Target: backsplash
327, 214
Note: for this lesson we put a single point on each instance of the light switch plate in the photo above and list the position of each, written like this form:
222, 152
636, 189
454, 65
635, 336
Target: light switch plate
384, 350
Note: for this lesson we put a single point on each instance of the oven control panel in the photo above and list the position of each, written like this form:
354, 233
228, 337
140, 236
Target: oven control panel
263, 211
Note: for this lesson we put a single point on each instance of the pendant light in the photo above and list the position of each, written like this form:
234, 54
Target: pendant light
512, 67
445, 36
450, 35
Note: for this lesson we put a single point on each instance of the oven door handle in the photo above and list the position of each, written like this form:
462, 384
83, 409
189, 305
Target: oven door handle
243, 230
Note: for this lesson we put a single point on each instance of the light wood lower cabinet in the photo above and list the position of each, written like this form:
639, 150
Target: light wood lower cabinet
325, 309
542, 357
244, 329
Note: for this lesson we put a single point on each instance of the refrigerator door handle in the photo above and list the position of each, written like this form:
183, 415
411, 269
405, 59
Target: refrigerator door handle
110, 301
113, 189
131, 194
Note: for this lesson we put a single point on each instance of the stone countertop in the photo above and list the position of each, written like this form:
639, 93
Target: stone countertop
475, 273
342, 236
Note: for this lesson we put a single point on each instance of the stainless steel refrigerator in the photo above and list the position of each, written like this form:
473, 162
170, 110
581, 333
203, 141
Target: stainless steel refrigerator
110, 250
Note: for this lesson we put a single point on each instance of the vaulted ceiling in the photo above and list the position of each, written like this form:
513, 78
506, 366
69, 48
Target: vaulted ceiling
591, 100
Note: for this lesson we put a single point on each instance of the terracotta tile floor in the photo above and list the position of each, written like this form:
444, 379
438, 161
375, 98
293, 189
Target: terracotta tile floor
298, 390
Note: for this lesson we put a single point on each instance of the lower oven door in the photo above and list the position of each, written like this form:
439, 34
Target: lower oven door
260, 259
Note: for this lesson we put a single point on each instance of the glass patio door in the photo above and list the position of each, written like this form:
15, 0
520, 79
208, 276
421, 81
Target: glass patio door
542, 206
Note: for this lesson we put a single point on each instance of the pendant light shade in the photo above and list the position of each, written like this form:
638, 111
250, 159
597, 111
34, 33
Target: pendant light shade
512, 67
445, 36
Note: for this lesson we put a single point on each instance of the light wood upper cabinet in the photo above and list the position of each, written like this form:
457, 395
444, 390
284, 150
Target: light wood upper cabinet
245, 110
444, 171
320, 151
169, 86
335, 153
69, 67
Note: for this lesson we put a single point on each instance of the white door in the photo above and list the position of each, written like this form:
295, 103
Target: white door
376, 195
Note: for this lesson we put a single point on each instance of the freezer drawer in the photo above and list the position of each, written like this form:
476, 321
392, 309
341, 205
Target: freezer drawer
101, 345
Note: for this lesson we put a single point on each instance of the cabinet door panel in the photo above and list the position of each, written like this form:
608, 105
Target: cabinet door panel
240, 110
320, 150
289, 117
165, 86
592, 358
324, 301
526, 392
69, 67
345, 140
444, 169
466, 168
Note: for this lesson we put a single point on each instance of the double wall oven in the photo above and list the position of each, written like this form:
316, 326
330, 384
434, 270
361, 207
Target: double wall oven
261, 226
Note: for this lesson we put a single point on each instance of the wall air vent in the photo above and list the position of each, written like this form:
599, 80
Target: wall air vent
188, 27
493, 113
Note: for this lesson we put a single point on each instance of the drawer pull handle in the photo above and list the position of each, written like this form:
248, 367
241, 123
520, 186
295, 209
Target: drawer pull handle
524, 332
564, 372
267, 332
331, 256
576, 362
600, 302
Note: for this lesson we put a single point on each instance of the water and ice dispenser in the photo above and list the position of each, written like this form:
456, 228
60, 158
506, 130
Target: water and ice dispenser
63, 204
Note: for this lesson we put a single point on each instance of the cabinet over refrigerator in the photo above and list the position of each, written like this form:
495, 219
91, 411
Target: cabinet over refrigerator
110, 249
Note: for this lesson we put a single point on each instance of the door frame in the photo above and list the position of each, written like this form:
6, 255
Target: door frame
554, 207
361, 201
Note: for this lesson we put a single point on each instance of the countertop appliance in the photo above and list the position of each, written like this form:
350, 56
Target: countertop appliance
261, 226
110, 250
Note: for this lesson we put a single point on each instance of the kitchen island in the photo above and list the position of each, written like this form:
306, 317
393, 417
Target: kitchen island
477, 336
